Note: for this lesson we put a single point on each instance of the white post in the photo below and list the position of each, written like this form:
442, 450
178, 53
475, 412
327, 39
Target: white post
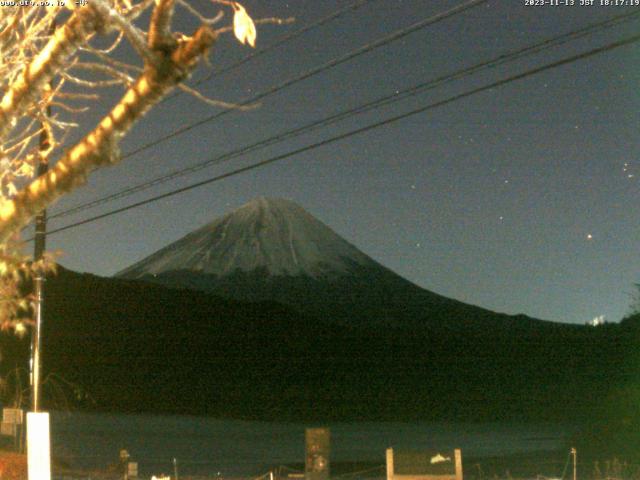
458, 455
390, 467
38, 446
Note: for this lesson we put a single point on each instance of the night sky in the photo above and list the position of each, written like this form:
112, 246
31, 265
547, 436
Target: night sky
520, 199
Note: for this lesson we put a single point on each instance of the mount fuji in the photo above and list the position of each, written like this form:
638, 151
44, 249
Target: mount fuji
311, 329
273, 250
274, 235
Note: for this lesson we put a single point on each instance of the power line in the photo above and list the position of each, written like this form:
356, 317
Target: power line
322, 68
390, 120
383, 101
285, 39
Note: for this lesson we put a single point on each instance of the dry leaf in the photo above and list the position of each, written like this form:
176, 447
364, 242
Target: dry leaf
11, 189
25, 170
20, 329
243, 26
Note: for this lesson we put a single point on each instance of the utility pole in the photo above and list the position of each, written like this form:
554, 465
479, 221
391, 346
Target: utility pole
40, 240
574, 454
38, 281
38, 430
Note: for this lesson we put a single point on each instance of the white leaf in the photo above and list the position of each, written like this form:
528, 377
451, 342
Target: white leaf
243, 26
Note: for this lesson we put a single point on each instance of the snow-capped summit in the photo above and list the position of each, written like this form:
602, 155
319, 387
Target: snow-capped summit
273, 250
268, 234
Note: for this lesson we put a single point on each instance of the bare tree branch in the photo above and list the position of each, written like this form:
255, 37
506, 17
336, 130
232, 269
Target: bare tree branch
100, 146
29, 85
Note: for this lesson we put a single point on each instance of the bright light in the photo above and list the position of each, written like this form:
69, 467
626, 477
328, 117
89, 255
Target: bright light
599, 320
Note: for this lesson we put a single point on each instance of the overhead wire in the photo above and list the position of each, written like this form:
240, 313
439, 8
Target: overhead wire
377, 103
512, 78
397, 35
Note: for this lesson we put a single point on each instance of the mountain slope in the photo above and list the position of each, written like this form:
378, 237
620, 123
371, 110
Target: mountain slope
273, 250
140, 347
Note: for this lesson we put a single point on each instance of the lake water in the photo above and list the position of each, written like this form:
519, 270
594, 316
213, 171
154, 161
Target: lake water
206, 446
